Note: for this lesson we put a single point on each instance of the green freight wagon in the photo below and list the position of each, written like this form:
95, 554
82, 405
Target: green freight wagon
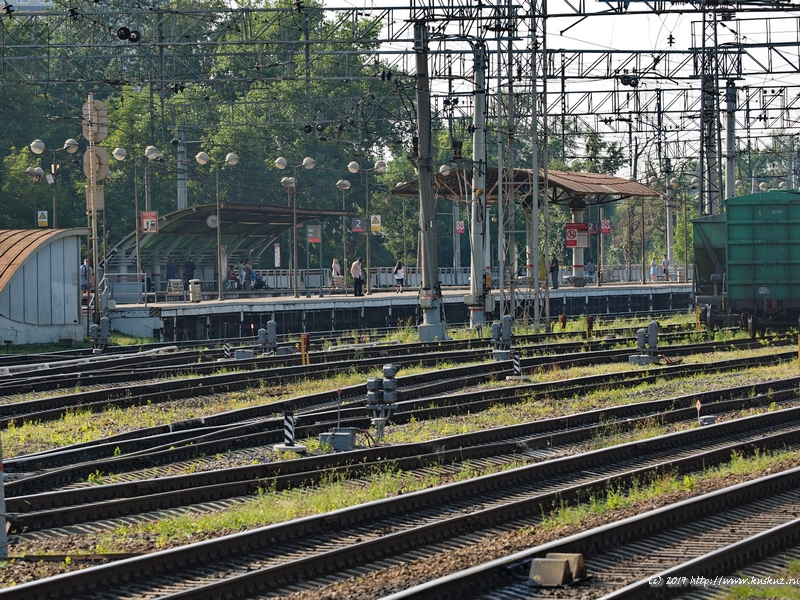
763, 241
758, 282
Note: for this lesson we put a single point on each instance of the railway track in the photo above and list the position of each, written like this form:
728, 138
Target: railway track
54, 407
663, 553
535, 441
303, 552
256, 427
101, 373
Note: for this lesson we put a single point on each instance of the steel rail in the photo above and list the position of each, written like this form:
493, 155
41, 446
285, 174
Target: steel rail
211, 554
270, 431
495, 574
116, 370
58, 509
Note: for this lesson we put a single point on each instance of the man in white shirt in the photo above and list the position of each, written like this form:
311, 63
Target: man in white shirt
358, 281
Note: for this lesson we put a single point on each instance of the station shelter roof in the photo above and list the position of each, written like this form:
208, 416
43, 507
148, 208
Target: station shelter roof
17, 245
248, 230
565, 187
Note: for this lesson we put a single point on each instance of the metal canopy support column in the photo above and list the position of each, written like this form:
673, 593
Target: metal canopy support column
730, 139
709, 129
183, 194
478, 219
430, 294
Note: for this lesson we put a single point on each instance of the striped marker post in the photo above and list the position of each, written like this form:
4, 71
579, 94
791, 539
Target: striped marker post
516, 359
227, 350
288, 444
288, 428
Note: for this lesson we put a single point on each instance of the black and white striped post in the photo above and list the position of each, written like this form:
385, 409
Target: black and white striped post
516, 360
288, 435
226, 349
288, 428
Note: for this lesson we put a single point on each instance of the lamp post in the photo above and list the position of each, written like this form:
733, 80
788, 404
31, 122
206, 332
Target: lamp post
344, 185
291, 182
380, 167
151, 153
230, 159
38, 147
35, 173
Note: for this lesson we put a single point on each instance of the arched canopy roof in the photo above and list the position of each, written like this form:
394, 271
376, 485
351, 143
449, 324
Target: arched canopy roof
566, 187
248, 230
16, 245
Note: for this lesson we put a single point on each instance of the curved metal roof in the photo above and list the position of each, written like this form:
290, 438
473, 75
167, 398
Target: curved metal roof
16, 245
248, 230
565, 187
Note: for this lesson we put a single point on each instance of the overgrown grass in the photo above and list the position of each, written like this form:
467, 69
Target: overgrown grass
789, 591
84, 426
618, 498
270, 506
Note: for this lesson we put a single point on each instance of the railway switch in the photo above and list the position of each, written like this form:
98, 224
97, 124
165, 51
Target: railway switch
341, 439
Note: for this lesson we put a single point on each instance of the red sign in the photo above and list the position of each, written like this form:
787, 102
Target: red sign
314, 234
605, 226
459, 226
577, 235
149, 222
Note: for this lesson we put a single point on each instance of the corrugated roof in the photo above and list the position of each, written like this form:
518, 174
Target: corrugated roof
565, 186
598, 183
246, 229
17, 245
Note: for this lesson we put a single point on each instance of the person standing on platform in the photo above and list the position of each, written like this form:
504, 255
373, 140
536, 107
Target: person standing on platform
399, 277
170, 269
554, 271
358, 281
590, 270
665, 265
245, 274
188, 271
654, 270
87, 280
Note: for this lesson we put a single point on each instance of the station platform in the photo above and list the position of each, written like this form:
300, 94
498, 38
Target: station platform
239, 317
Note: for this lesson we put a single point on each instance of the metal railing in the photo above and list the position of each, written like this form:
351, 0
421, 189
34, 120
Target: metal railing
127, 288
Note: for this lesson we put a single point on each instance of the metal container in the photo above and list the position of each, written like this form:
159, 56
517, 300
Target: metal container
763, 252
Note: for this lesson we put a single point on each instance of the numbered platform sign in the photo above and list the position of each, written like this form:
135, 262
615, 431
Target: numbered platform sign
358, 225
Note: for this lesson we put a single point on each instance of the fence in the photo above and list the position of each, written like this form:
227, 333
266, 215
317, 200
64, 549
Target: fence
128, 289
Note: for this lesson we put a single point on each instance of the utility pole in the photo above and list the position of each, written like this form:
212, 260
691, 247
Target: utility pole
476, 299
430, 293
183, 194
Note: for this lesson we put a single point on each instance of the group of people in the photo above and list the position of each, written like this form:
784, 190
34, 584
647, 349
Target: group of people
654, 269
357, 274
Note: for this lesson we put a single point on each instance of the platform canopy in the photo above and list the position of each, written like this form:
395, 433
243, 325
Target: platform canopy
566, 187
248, 231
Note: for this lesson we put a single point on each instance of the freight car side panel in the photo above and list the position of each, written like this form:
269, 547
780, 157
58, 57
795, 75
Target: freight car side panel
709, 253
763, 251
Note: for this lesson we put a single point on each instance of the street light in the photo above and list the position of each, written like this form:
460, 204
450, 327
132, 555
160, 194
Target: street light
291, 183
36, 174
344, 185
230, 159
380, 167
150, 153
38, 147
